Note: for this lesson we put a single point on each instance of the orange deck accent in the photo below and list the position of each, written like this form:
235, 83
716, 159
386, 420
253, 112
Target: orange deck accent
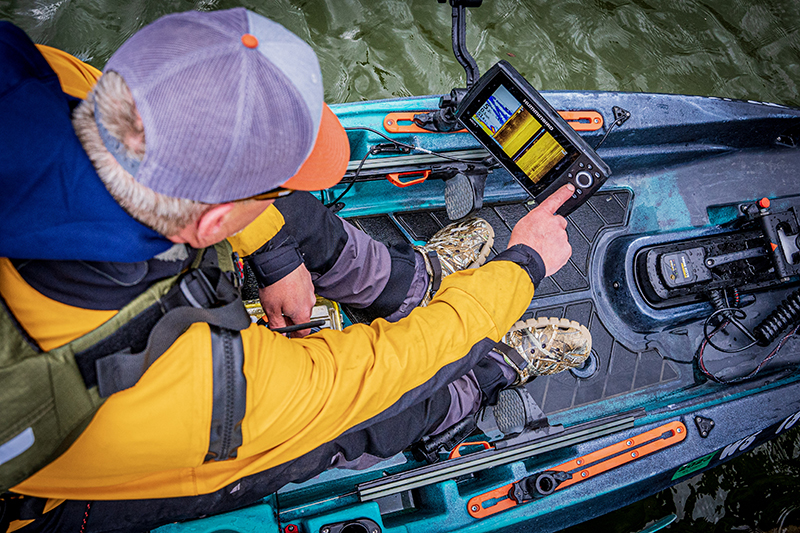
588, 465
403, 122
583, 120
457, 450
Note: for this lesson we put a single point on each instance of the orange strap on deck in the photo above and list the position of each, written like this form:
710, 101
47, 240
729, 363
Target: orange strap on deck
587, 466
403, 122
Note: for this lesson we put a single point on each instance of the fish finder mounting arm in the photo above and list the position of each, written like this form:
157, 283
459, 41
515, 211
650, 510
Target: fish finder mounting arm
444, 119
519, 129
460, 38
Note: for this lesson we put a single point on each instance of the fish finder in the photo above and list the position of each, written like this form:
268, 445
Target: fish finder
529, 138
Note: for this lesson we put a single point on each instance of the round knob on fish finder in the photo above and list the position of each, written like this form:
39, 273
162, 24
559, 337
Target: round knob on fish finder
763, 203
583, 179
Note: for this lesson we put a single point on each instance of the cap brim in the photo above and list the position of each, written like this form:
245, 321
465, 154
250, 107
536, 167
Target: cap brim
327, 163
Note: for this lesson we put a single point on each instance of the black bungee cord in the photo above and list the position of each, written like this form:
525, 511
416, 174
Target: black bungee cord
620, 116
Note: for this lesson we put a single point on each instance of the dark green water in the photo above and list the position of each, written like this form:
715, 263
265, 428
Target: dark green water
389, 48
382, 48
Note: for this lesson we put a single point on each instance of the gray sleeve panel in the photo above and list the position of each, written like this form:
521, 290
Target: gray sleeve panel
465, 399
360, 273
230, 394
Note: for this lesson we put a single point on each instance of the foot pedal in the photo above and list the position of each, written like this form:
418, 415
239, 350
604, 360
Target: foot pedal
463, 193
515, 411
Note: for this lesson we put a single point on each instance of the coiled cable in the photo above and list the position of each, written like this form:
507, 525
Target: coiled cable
731, 314
777, 321
785, 315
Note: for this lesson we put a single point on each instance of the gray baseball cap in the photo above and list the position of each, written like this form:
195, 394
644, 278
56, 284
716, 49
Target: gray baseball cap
232, 106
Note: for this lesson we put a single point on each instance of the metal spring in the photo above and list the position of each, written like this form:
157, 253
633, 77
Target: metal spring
782, 317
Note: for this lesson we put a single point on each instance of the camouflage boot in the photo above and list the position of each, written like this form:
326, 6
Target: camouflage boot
458, 246
543, 346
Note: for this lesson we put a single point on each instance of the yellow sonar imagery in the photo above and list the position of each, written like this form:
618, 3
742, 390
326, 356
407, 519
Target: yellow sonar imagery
528, 144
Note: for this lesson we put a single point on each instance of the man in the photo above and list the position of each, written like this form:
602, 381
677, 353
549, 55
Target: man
199, 123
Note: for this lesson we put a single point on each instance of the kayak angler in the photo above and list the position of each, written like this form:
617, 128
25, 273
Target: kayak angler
185, 408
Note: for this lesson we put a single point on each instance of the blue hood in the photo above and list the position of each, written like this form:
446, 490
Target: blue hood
52, 203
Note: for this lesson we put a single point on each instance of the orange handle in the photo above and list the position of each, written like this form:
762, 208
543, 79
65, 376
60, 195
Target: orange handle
457, 450
394, 177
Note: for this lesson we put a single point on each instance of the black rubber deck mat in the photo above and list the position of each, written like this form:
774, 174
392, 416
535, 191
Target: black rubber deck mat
603, 210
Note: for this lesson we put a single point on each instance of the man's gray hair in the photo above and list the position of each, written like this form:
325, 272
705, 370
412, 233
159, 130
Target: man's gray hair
166, 215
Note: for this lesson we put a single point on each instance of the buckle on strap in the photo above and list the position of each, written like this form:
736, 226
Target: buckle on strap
198, 290
195, 298
512, 355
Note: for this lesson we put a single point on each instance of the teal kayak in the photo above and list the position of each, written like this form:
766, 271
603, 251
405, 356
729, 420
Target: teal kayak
686, 252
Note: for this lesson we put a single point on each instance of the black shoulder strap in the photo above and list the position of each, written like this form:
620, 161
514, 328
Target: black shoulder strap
205, 294
122, 370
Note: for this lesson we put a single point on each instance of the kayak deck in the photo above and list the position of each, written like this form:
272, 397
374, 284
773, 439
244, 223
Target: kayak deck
681, 167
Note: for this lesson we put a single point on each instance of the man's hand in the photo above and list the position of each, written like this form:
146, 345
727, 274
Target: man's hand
545, 232
289, 300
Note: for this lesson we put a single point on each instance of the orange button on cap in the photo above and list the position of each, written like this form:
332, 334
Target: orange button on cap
249, 40
763, 203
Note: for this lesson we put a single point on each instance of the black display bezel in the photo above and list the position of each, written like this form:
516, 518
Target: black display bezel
478, 99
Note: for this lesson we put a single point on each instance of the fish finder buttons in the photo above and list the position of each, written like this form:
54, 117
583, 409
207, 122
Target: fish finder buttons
529, 138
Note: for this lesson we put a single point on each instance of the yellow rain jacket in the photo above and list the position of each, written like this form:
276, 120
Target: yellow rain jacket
151, 440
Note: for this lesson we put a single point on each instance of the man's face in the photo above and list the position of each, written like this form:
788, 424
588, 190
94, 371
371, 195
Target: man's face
220, 222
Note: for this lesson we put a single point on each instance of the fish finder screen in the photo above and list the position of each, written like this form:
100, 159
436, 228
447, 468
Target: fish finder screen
520, 136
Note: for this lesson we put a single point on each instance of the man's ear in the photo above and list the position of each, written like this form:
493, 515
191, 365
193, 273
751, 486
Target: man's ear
211, 227
219, 222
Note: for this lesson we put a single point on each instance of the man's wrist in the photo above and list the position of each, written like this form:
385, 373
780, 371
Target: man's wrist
526, 257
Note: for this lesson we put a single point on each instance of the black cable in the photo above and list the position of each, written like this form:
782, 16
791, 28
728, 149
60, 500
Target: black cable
736, 313
620, 116
355, 177
782, 317
731, 313
719, 300
410, 146
755, 371
373, 150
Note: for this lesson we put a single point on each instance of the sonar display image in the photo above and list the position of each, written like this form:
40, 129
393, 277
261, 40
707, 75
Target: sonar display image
521, 137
